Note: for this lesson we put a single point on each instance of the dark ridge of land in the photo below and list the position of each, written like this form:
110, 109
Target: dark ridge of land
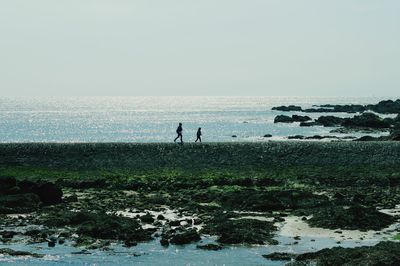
131, 156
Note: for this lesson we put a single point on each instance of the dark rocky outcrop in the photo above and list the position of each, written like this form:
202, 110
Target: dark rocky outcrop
383, 107
280, 256
363, 121
368, 138
241, 231
318, 137
164, 242
147, 218
329, 108
383, 254
352, 218
368, 120
300, 118
329, 121
293, 118
7, 184
296, 137
26, 196
11, 252
49, 193
283, 119
19, 203
252, 199
99, 225
185, 237
287, 108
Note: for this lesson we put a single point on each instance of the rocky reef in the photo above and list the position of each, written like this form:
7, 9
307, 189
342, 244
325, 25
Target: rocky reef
96, 195
366, 121
383, 107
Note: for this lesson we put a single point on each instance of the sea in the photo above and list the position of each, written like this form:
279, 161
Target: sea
155, 119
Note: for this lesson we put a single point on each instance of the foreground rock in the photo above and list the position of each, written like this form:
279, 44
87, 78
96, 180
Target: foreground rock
19, 203
99, 225
185, 237
355, 217
14, 253
383, 254
27, 196
241, 231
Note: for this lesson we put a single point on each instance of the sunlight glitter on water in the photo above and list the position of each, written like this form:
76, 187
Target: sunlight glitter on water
153, 119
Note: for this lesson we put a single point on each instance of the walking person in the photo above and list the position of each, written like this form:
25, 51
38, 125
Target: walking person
179, 132
198, 135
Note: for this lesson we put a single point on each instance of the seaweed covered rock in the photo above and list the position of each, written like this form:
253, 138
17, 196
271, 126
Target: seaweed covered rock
185, 237
352, 218
100, 225
241, 231
147, 218
265, 200
11, 252
19, 203
7, 184
49, 193
382, 254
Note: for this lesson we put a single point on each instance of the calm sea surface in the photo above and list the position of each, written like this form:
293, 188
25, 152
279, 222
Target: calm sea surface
153, 119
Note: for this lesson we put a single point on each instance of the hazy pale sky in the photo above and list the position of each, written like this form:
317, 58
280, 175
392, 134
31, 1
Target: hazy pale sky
207, 47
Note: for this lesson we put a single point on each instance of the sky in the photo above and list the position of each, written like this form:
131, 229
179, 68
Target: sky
200, 48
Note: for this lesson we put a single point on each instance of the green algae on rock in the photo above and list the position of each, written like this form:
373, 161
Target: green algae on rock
352, 218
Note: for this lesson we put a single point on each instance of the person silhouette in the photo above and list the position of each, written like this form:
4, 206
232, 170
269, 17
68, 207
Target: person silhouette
198, 135
179, 132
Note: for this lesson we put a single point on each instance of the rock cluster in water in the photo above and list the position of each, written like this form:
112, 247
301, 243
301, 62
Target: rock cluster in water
366, 121
383, 107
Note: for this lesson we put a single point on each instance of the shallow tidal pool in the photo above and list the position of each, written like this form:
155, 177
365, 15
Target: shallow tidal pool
152, 253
